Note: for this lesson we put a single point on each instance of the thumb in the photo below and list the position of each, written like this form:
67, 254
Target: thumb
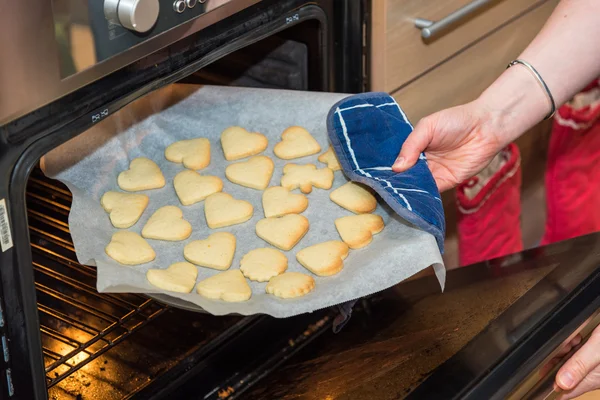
580, 364
414, 145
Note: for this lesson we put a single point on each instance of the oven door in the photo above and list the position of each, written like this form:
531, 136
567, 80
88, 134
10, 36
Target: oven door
328, 45
518, 354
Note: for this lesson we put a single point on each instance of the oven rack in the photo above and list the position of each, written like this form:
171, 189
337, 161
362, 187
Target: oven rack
77, 324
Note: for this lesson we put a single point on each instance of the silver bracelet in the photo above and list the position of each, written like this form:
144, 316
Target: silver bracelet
542, 83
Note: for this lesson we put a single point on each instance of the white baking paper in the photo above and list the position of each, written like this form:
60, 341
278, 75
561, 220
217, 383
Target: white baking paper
90, 163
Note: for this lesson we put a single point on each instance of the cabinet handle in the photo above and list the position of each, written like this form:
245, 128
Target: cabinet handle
431, 28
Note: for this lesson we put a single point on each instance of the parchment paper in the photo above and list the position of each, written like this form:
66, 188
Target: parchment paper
89, 166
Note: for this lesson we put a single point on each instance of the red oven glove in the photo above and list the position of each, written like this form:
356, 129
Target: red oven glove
489, 210
573, 169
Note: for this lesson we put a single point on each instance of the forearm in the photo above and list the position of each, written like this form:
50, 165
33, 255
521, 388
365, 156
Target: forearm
566, 53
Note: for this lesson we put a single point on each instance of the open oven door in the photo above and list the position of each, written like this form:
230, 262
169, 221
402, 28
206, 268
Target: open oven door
518, 354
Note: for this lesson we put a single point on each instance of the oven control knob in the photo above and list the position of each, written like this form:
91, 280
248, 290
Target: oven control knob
179, 6
135, 15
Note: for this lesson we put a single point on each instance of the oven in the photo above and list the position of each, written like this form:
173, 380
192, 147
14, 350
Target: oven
67, 65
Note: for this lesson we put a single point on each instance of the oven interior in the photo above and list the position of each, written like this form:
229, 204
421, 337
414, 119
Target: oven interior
114, 346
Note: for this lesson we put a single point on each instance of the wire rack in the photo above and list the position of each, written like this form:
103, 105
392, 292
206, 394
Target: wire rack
77, 323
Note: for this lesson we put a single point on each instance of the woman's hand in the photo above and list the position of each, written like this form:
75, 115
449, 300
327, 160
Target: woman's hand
581, 373
458, 142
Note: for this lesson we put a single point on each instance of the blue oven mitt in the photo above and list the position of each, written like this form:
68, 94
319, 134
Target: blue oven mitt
367, 131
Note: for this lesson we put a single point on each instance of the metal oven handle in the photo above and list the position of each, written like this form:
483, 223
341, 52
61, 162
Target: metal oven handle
431, 28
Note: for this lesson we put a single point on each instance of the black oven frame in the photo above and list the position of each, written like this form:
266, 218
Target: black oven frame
24, 141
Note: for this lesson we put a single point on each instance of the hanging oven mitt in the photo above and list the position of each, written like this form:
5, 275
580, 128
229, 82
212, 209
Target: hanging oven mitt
367, 132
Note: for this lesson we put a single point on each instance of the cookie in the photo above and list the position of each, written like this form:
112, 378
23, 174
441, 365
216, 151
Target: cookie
191, 187
228, 286
282, 232
238, 143
324, 259
354, 197
143, 174
179, 277
305, 177
167, 223
255, 173
221, 209
357, 230
278, 201
214, 252
262, 264
193, 153
124, 209
290, 285
296, 142
129, 248
330, 159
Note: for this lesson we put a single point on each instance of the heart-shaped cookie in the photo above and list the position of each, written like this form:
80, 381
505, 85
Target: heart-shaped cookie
296, 142
193, 153
143, 174
305, 177
191, 187
167, 223
124, 209
330, 159
354, 197
357, 230
238, 143
255, 173
227, 286
215, 252
282, 232
179, 277
262, 264
324, 259
290, 285
278, 201
221, 209
129, 248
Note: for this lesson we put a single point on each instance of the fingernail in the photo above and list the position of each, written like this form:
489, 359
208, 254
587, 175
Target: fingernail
566, 379
399, 162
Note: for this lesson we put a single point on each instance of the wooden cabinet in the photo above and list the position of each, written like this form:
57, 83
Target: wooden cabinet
463, 76
401, 56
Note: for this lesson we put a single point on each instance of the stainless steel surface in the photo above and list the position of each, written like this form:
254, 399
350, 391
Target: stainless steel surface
179, 6
138, 15
30, 74
191, 3
110, 10
431, 28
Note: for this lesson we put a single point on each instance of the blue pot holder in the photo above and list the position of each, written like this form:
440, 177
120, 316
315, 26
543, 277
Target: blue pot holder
367, 131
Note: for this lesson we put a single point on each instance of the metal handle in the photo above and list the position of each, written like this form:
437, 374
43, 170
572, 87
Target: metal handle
430, 28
